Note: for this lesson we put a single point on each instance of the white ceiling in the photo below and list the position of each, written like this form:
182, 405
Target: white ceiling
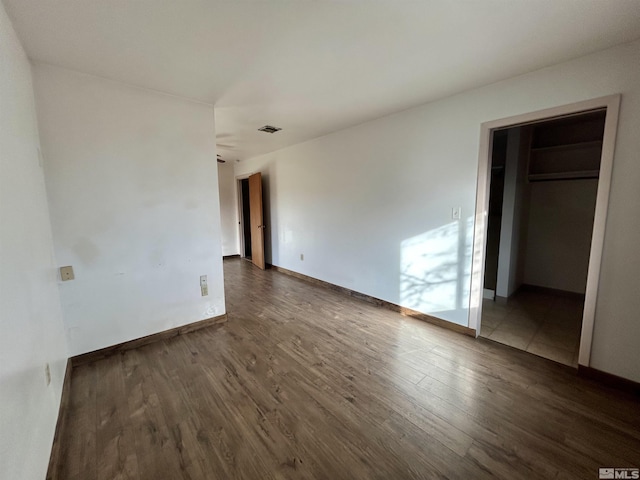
312, 67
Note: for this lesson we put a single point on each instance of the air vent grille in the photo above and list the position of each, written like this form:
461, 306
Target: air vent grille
269, 129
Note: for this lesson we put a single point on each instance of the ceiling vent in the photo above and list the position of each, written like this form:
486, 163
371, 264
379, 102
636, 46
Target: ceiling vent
269, 129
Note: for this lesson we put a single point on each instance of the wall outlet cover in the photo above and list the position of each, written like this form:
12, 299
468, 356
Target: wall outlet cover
66, 273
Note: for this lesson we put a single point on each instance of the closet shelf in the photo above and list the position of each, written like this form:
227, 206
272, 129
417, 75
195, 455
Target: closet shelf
575, 175
568, 146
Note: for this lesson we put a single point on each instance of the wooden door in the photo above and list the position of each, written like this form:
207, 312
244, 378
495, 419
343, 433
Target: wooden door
255, 214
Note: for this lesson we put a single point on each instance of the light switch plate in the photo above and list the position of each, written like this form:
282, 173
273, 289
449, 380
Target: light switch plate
66, 273
456, 213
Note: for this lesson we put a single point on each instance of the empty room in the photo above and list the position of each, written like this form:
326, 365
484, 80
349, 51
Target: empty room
319, 240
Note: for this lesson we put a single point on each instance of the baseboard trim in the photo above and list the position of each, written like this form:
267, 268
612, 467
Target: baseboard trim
609, 379
407, 312
553, 291
53, 470
139, 342
235, 255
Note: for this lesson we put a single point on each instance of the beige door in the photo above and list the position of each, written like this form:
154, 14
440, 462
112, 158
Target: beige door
257, 227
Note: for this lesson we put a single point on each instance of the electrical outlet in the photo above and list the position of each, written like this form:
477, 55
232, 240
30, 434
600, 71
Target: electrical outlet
47, 374
66, 273
204, 287
302, 256
456, 213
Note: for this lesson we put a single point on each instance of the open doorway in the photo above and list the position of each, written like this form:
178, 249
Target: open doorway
544, 181
245, 226
543, 188
250, 206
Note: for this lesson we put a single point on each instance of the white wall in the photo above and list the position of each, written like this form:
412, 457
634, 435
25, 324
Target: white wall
30, 315
228, 209
370, 206
559, 234
515, 213
132, 180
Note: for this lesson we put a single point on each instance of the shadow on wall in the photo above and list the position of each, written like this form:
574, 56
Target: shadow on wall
435, 271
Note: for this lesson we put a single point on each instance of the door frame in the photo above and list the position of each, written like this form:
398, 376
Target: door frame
612, 105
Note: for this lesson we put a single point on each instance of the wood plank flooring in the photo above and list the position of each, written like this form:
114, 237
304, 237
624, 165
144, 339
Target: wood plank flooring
305, 383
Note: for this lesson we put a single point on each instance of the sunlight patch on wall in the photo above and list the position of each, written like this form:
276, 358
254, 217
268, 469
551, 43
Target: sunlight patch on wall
435, 269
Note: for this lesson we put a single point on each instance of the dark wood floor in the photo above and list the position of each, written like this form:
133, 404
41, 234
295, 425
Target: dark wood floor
304, 383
